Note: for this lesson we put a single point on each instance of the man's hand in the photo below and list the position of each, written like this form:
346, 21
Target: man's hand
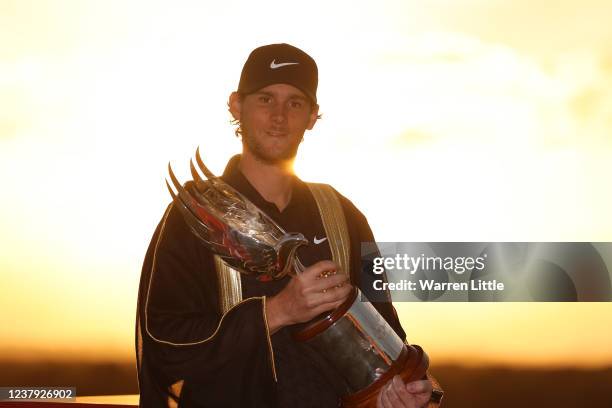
396, 394
316, 290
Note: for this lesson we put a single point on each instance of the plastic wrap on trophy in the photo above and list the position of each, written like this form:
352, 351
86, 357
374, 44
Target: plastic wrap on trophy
354, 338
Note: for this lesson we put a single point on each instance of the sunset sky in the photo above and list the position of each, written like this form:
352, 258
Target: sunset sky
463, 120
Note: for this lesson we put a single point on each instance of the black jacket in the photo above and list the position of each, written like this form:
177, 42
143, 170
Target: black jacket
225, 361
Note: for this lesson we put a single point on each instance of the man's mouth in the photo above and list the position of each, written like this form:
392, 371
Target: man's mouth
275, 133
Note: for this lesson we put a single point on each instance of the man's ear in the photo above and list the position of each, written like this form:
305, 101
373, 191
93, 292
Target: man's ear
235, 105
314, 114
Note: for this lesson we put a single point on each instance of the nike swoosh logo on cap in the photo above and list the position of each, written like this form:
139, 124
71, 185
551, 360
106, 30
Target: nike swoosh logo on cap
274, 65
318, 241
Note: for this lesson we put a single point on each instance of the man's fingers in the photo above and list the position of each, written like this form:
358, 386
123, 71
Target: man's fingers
419, 387
400, 388
384, 397
379, 403
394, 398
319, 268
396, 394
422, 400
322, 277
326, 306
333, 297
326, 284
422, 391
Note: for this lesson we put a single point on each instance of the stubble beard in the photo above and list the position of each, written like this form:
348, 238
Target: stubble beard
260, 153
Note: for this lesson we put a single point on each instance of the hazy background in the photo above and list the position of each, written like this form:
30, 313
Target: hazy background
463, 120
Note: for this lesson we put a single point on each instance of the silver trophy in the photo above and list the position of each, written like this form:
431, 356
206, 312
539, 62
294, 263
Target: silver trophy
354, 338
231, 226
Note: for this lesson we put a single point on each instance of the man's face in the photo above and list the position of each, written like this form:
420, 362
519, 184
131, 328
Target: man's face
273, 121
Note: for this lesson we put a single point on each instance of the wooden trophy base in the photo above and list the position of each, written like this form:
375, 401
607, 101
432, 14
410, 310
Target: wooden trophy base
411, 365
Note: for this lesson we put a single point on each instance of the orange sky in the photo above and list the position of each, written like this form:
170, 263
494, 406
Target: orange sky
476, 121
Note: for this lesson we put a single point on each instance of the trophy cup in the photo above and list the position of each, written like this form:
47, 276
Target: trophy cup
354, 338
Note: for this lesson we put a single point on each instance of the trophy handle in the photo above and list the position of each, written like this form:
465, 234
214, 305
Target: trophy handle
298, 267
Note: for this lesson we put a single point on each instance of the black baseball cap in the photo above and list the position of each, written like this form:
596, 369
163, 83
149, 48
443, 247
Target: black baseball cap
279, 64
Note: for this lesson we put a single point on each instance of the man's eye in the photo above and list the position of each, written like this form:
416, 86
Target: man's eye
264, 99
296, 104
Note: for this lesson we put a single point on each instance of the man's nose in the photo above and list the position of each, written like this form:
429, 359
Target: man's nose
279, 113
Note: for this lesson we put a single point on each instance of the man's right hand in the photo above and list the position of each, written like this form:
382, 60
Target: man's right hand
320, 288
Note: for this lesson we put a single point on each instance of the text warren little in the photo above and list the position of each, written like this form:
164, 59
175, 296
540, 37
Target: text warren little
430, 284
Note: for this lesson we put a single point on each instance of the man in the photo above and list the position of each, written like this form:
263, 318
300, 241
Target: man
193, 352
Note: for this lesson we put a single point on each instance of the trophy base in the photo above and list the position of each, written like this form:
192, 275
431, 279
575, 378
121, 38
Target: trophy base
411, 365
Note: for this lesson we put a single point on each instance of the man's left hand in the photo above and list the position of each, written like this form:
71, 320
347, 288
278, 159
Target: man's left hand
396, 394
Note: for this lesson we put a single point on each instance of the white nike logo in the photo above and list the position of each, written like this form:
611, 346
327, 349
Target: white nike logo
318, 241
274, 65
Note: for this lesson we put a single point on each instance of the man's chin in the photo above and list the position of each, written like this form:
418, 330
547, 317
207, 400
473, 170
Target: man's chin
275, 160
272, 158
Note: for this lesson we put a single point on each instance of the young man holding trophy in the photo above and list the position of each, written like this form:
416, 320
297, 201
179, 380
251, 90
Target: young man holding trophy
267, 313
